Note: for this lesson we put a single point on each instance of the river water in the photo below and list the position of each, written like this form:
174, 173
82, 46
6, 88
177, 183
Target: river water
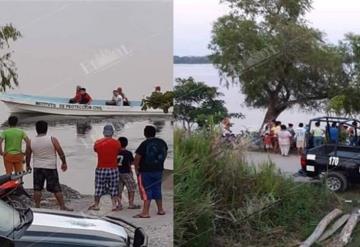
234, 99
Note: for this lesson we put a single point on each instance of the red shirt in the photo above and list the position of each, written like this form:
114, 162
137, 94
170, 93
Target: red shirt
84, 99
107, 150
77, 97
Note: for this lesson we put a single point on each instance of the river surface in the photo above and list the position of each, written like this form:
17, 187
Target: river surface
234, 99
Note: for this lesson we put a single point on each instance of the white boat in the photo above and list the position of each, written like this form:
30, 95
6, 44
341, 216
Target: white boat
21, 103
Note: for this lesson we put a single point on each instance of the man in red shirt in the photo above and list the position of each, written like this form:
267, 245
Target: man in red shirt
84, 97
107, 173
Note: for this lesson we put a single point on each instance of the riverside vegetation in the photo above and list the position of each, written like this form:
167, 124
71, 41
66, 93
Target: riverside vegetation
220, 200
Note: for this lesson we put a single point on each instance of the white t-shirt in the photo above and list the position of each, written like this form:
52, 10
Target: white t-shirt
118, 99
284, 137
44, 154
300, 134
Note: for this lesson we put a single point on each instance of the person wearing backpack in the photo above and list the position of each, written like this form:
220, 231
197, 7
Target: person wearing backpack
149, 165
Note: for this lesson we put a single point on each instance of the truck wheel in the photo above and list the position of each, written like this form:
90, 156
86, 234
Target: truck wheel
336, 182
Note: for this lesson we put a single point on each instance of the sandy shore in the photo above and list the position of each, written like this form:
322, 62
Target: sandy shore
158, 228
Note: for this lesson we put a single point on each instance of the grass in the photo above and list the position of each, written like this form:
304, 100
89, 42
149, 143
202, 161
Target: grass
222, 201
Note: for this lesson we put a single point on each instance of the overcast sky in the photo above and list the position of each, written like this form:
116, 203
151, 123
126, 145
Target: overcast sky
194, 18
98, 44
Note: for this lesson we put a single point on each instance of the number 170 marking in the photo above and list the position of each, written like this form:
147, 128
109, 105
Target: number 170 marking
334, 161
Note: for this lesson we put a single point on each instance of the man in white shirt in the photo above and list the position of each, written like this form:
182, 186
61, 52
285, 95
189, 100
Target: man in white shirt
116, 99
44, 149
300, 138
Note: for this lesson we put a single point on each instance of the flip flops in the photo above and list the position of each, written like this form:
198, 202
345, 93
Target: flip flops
93, 207
134, 207
140, 216
161, 213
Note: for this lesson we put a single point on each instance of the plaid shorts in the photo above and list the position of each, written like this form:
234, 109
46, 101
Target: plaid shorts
128, 180
106, 181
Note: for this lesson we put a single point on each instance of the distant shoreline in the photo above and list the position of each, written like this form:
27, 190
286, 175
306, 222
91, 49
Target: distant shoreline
192, 60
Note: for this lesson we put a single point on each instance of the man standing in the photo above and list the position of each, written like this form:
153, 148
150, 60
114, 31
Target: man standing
300, 138
44, 148
149, 166
107, 173
13, 155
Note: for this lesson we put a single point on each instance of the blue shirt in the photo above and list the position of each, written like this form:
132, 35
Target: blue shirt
334, 134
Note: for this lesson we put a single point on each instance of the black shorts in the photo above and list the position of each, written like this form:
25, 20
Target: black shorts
52, 180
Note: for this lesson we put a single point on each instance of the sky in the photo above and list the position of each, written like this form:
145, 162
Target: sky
193, 21
100, 45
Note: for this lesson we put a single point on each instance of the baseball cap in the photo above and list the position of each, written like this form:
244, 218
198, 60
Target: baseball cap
108, 130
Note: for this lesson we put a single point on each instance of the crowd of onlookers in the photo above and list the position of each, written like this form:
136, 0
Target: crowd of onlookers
281, 138
113, 172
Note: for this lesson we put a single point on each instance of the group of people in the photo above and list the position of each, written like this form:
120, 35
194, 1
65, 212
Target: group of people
118, 98
112, 174
81, 97
278, 137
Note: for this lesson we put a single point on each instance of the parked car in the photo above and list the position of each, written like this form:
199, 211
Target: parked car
22, 226
337, 161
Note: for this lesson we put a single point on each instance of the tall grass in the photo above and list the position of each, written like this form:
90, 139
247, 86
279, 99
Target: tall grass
222, 201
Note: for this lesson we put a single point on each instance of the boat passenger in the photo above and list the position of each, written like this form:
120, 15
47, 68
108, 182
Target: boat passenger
116, 99
85, 97
121, 93
157, 89
77, 97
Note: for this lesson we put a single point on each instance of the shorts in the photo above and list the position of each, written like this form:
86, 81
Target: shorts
13, 162
300, 143
268, 146
127, 179
107, 181
50, 176
150, 185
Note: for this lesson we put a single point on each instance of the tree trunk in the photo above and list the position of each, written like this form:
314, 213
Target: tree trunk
272, 113
321, 227
345, 234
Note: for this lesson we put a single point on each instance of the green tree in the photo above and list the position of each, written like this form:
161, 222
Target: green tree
159, 100
8, 73
197, 103
345, 101
267, 48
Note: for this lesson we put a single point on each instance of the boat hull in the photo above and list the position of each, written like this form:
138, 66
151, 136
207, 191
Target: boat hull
77, 109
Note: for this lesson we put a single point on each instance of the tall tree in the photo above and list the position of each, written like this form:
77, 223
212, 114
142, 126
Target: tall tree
195, 102
267, 48
345, 101
8, 75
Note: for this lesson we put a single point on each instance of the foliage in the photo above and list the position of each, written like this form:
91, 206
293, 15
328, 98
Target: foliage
159, 100
195, 102
220, 200
267, 48
8, 73
346, 100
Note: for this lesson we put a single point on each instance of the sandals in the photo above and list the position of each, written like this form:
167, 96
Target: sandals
134, 207
94, 207
140, 216
161, 213
117, 208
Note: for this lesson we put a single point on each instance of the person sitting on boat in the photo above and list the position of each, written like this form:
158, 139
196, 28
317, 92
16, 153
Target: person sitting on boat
77, 97
121, 93
157, 89
85, 98
116, 99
